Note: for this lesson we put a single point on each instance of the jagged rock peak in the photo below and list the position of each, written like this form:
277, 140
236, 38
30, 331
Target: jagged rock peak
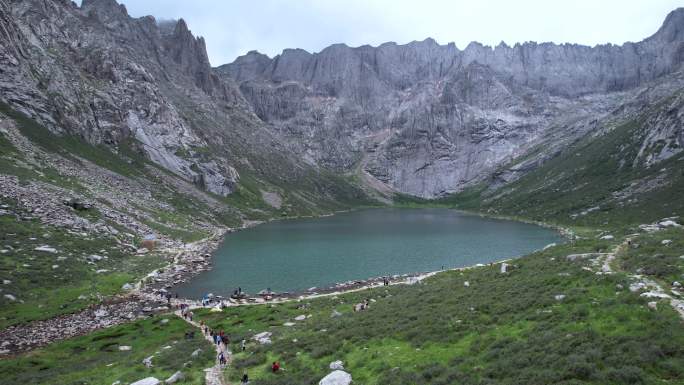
107, 8
673, 26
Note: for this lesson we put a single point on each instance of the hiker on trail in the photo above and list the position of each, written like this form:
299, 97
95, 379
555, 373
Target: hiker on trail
275, 367
190, 314
245, 379
222, 359
243, 344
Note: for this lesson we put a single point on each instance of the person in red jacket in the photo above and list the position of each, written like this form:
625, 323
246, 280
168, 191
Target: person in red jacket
275, 367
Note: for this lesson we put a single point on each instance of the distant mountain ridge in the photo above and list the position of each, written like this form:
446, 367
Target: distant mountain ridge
428, 119
561, 69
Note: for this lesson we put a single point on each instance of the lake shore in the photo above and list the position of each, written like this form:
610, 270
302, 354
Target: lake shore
147, 296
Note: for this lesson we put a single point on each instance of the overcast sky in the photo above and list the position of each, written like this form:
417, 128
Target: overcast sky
234, 27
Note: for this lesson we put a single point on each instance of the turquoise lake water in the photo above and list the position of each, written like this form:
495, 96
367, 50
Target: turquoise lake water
294, 255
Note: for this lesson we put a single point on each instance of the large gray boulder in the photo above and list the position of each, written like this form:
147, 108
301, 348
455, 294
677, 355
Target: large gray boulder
337, 377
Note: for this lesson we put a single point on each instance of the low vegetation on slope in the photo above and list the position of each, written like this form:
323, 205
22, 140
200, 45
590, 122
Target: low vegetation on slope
116, 354
549, 320
47, 270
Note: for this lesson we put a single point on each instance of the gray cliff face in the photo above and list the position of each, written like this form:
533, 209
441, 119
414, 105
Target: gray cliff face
95, 72
429, 119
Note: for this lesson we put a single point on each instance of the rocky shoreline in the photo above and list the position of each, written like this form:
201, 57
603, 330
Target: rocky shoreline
140, 301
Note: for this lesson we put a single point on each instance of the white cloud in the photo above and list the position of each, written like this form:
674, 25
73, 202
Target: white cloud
233, 27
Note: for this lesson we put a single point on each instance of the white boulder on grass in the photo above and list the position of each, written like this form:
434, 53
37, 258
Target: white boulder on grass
178, 376
300, 317
147, 381
263, 338
337, 365
559, 297
148, 361
337, 377
124, 348
669, 223
607, 237
46, 249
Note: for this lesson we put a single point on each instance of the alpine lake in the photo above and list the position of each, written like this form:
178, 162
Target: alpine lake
295, 255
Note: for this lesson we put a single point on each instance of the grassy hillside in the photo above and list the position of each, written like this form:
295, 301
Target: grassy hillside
97, 358
549, 320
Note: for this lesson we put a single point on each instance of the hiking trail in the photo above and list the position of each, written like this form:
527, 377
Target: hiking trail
214, 374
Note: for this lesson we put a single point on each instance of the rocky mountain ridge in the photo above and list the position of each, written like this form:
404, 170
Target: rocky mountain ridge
422, 119
142, 86
428, 119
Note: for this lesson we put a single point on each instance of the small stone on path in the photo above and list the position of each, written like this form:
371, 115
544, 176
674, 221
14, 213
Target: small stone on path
147, 381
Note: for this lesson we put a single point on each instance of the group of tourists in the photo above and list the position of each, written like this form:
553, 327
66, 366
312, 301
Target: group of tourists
385, 281
219, 338
167, 296
185, 311
237, 293
362, 305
